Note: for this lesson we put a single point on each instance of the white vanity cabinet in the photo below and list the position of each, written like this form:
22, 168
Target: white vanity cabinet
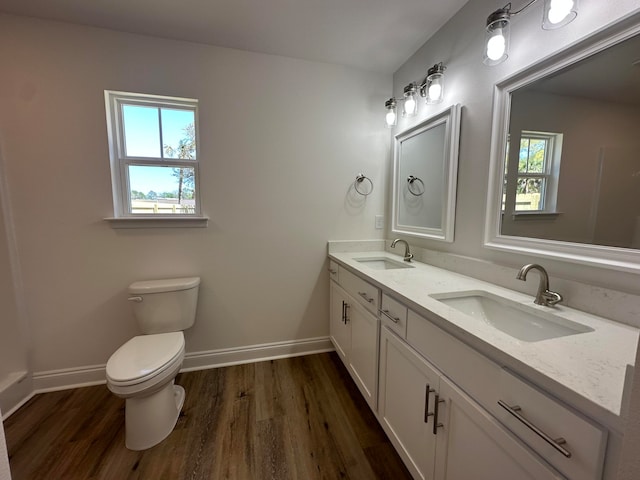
408, 386
339, 328
544, 424
453, 408
438, 430
474, 445
354, 329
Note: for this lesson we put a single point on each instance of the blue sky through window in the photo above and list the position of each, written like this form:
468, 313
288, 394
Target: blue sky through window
142, 139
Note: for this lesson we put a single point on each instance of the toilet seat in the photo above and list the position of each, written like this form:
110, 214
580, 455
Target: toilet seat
145, 361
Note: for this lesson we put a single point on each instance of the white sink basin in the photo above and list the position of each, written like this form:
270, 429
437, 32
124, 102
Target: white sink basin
516, 320
382, 263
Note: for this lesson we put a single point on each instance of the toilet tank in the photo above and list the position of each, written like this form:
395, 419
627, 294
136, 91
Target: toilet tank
163, 306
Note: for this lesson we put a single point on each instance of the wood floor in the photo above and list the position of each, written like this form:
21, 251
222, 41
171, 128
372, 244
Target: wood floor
296, 418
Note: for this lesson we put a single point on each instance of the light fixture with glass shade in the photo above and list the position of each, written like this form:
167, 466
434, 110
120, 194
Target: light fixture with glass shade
433, 88
410, 105
558, 13
391, 117
496, 47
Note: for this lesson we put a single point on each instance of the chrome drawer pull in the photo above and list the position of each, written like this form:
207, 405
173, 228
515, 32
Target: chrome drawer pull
386, 314
332, 271
554, 442
427, 414
364, 295
436, 425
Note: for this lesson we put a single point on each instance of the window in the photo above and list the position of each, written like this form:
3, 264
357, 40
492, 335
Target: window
535, 180
153, 144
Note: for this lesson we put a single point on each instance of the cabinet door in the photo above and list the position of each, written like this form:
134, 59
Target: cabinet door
406, 381
339, 329
472, 444
363, 355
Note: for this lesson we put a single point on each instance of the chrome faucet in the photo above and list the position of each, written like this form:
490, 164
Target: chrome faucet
544, 296
407, 254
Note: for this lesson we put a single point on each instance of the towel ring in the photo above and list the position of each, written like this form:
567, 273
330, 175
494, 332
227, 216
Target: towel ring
359, 179
410, 181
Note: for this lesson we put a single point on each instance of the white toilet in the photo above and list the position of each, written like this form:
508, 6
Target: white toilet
143, 370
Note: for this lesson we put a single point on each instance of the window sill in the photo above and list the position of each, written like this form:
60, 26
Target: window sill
535, 215
158, 222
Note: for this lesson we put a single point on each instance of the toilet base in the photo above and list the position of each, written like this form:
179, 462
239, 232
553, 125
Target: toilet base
150, 419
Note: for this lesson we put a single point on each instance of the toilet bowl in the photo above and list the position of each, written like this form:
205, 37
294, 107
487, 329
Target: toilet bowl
143, 370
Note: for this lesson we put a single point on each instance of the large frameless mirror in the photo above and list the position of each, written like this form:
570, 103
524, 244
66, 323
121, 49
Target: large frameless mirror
425, 177
565, 166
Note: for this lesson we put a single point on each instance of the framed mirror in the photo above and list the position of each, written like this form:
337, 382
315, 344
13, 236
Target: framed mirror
425, 169
565, 155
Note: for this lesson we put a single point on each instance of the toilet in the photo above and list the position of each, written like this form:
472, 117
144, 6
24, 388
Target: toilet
142, 371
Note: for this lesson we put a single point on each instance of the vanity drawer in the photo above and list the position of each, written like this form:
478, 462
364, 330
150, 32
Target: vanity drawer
334, 271
359, 289
470, 370
569, 441
394, 315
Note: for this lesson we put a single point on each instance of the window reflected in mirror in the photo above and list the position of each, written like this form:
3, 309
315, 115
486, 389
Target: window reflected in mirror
572, 159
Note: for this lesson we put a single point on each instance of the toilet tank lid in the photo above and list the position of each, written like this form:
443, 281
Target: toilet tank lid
167, 285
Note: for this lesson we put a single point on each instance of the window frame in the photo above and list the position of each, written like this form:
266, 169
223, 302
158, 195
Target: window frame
120, 162
550, 173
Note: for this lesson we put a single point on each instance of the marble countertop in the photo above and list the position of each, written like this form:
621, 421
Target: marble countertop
591, 365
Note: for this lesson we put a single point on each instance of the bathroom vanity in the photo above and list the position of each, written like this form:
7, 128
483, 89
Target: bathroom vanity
472, 380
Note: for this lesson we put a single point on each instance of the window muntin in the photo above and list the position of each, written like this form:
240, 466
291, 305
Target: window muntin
154, 155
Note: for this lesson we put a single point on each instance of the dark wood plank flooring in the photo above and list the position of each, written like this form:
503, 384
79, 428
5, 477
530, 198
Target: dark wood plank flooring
296, 418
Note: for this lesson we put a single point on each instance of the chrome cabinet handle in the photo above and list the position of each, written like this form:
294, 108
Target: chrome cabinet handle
332, 271
364, 295
436, 425
135, 299
427, 414
386, 314
554, 442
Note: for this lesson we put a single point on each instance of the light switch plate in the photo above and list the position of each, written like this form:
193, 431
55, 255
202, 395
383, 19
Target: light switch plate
379, 222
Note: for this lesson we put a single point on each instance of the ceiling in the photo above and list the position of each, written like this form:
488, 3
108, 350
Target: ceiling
376, 35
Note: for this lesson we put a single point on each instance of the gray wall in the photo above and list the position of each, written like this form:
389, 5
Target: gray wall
282, 141
459, 45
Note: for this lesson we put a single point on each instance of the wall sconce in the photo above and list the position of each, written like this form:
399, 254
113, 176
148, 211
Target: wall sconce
391, 118
556, 14
434, 84
496, 48
431, 89
410, 105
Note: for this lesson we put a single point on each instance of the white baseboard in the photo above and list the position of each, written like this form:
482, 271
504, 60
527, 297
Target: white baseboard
63, 379
254, 353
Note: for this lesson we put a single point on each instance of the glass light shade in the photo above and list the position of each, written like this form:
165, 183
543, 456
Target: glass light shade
391, 118
410, 105
558, 13
435, 88
496, 49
